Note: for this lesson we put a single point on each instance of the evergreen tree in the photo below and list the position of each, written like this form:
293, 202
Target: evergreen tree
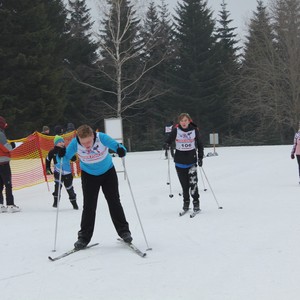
168, 66
228, 60
32, 92
256, 101
197, 67
286, 15
81, 45
80, 61
157, 53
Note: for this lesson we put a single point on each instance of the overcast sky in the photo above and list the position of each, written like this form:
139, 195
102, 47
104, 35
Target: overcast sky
240, 10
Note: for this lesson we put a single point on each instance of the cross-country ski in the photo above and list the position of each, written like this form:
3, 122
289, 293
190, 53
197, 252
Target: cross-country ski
67, 253
183, 212
133, 248
194, 213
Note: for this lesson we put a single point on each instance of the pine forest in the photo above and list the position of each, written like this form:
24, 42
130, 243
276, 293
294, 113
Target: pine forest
147, 66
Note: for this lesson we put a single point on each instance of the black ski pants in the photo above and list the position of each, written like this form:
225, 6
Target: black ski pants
90, 187
5, 181
298, 160
171, 151
67, 180
189, 182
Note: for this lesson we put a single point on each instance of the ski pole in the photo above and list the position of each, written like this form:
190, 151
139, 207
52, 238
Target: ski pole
168, 179
135, 206
205, 189
58, 200
219, 207
169, 176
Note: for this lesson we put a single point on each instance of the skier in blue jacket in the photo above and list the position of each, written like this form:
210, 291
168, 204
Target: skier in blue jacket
98, 171
66, 176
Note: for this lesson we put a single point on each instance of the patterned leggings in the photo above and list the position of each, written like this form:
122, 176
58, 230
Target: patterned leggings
189, 182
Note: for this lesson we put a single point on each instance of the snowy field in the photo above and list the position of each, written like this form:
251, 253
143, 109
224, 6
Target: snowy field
247, 251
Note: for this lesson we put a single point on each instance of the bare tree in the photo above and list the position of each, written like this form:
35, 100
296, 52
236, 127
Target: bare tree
125, 60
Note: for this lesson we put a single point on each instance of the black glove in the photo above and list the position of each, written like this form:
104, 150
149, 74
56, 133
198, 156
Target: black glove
121, 152
61, 152
49, 172
13, 145
200, 162
292, 156
166, 146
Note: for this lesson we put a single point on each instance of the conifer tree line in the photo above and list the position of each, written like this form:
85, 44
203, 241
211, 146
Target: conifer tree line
149, 65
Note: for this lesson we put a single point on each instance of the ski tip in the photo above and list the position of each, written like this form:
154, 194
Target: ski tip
50, 258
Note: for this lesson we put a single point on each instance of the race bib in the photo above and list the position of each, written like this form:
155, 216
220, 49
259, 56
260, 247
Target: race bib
168, 129
96, 154
185, 141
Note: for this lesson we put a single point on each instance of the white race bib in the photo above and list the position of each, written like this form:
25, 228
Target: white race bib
185, 141
94, 155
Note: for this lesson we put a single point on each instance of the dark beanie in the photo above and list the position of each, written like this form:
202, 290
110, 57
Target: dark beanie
58, 129
3, 123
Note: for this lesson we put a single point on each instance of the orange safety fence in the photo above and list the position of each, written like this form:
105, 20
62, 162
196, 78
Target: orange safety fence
28, 159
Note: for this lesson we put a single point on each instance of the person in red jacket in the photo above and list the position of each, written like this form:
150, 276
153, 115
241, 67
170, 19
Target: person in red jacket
189, 152
5, 171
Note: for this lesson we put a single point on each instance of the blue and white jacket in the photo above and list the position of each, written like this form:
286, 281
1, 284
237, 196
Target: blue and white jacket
97, 160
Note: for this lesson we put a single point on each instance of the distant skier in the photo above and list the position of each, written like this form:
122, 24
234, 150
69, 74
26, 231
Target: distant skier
189, 151
296, 150
5, 171
66, 176
168, 130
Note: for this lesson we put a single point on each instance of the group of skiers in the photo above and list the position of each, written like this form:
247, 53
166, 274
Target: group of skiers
97, 171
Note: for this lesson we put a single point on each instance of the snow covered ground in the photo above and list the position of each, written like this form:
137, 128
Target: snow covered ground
248, 250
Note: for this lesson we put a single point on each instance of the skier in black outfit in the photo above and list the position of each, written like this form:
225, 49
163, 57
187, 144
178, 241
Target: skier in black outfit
66, 176
189, 151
